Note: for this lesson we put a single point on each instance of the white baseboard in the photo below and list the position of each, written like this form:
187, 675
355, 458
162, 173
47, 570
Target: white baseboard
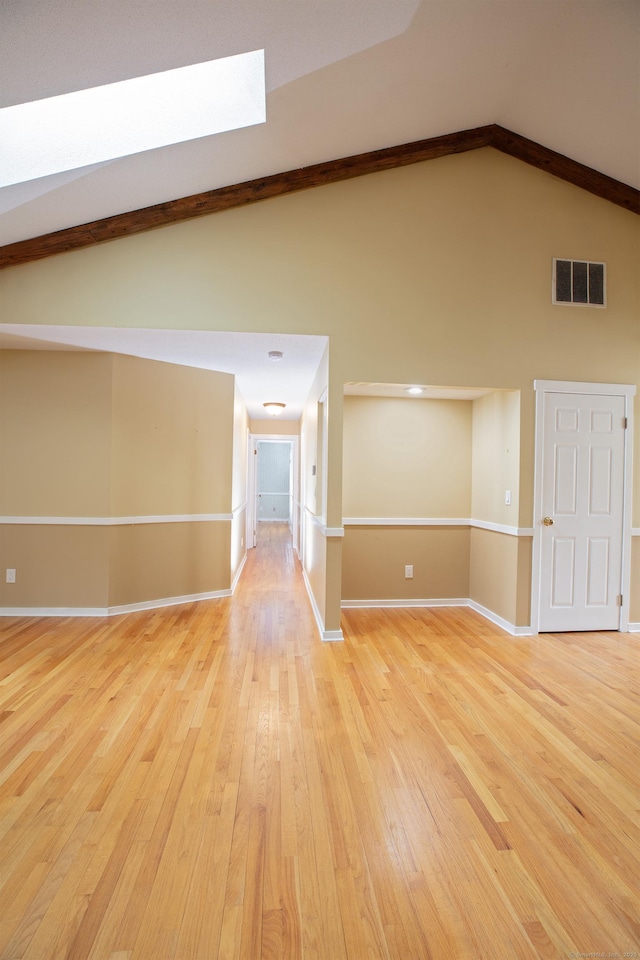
238, 572
54, 611
500, 621
111, 611
634, 628
324, 634
447, 602
167, 602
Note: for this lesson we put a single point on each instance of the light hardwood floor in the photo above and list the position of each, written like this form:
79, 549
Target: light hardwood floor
211, 780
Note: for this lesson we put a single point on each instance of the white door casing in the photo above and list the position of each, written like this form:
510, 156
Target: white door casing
252, 486
582, 487
274, 480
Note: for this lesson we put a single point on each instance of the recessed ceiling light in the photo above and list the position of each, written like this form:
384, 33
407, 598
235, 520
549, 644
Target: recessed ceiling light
102, 123
275, 354
414, 391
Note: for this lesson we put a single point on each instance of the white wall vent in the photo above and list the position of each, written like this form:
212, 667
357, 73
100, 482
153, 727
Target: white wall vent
579, 282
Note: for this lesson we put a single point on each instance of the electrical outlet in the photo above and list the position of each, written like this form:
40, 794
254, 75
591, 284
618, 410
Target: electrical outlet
408, 571
11, 575
507, 498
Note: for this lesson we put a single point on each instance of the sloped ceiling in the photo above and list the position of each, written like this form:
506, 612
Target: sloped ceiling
342, 77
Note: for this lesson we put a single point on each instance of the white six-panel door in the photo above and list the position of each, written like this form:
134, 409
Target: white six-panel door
581, 527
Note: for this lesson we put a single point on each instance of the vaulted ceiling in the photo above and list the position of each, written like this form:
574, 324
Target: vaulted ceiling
343, 77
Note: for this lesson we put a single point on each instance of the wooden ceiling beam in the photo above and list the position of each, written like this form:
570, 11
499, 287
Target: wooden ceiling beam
319, 174
566, 169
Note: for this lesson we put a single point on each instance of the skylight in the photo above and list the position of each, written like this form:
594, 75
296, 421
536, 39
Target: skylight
102, 123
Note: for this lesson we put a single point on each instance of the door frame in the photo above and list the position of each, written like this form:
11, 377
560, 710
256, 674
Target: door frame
294, 496
627, 391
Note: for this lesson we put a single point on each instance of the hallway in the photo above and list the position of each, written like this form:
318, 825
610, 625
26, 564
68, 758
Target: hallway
211, 780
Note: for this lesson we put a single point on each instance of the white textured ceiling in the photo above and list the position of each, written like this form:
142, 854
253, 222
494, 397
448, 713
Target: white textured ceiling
246, 355
343, 77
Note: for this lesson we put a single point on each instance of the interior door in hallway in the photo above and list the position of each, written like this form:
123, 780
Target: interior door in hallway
583, 475
273, 481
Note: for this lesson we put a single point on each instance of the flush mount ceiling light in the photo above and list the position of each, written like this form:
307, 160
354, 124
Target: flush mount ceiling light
275, 354
414, 391
275, 409
103, 123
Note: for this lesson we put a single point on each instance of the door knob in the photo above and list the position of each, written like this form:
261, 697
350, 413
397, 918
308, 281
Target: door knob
548, 521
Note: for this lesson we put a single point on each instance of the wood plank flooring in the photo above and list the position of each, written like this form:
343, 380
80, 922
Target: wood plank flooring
212, 781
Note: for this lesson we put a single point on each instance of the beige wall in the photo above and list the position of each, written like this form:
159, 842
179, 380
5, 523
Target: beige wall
406, 457
523, 586
498, 560
55, 450
172, 439
314, 560
315, 547
240, 450
437, 272
333, 568
154, 561
239, 484
96, 437
172, 454
374, 559
434, 458
56, 566
493, 572
238, 544
500, 575
55, 433
433, 273
636, 458
308, 455
495, 466
287, 428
